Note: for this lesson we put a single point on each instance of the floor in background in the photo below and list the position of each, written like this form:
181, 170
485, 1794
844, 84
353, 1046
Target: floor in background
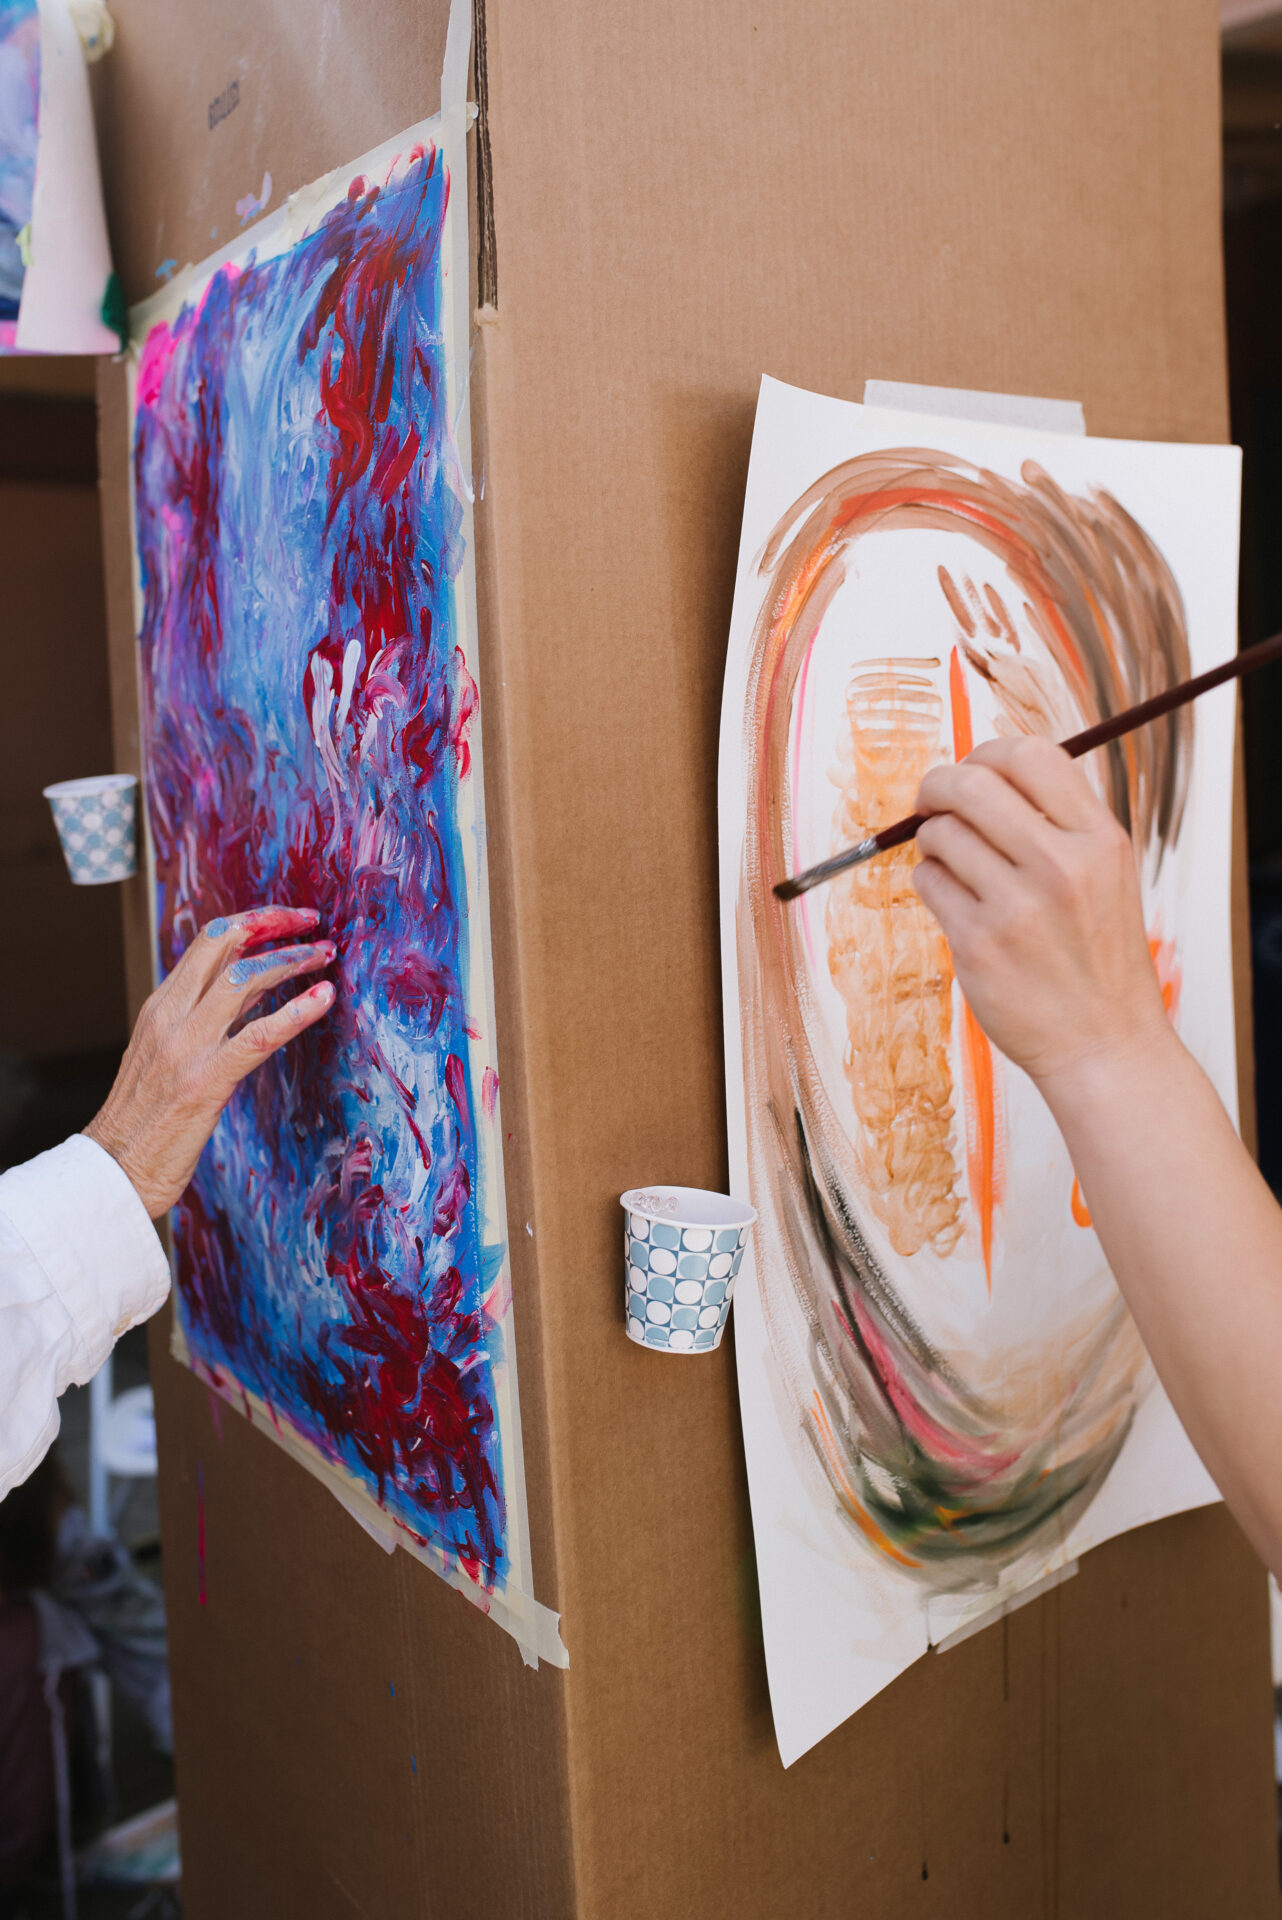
143, 1777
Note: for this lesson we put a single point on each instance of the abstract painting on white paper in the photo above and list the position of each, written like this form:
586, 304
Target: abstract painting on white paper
944, 1398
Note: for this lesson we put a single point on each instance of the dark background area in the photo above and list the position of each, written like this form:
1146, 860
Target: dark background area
62, 996
1253, 280
63, 1019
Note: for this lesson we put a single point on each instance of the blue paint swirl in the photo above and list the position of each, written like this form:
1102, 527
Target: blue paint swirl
306, 710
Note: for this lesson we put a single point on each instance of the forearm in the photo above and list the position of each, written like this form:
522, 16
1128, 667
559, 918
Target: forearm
1194, 1239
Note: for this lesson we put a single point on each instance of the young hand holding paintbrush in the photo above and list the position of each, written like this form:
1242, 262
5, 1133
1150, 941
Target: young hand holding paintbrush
1034, 883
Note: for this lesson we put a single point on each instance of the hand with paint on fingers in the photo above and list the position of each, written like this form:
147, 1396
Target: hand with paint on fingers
1034, 883
192, 1045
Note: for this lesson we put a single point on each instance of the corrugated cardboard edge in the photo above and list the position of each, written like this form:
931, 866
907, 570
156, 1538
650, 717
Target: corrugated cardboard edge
498, 584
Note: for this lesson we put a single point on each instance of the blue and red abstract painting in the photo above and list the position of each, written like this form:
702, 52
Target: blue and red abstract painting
310, 723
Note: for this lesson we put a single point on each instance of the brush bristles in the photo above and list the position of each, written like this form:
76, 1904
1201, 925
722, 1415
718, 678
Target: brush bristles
800, 883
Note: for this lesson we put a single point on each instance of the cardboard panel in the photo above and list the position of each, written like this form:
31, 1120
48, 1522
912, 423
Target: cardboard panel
1002, 197
996, 196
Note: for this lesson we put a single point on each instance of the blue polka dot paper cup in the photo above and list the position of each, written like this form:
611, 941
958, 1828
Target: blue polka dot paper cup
97, 822
682, 1250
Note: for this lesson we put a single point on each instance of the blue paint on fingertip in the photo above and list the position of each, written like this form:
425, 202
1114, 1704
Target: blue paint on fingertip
242, 971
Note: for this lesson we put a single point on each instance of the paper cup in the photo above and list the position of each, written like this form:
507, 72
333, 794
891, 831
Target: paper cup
682, 1249
97, 822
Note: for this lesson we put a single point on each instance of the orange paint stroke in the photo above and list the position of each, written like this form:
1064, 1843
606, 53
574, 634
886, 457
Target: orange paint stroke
981, 1132
849, 1498
889, 961
1170, 975
1081, 1212
1129, 637
978, 1083
963, 731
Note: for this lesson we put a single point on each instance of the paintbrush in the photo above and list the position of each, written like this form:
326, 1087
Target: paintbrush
1080, 743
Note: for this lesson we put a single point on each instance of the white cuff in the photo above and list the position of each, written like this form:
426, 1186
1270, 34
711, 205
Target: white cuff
80, 1214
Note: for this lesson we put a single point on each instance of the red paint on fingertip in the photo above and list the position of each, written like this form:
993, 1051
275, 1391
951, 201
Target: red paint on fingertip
274, 923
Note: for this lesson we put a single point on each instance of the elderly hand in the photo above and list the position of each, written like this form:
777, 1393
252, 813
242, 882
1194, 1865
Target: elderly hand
184, 1060
1033, 881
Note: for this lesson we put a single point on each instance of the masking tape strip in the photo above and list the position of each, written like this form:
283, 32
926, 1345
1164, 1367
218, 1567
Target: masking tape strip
1013, 1605
967, 403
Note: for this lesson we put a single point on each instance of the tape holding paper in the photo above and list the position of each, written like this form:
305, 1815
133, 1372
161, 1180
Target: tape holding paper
967, 403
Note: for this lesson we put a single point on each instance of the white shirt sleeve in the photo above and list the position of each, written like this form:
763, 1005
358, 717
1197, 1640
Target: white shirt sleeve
80, 1263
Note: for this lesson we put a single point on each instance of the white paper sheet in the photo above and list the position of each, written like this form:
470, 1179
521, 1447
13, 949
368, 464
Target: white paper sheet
944, 1401
70, 260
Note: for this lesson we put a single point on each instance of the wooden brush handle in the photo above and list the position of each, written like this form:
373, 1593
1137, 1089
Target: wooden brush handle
1075, 747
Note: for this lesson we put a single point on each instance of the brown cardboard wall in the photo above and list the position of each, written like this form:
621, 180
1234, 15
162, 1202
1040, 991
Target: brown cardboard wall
990, 195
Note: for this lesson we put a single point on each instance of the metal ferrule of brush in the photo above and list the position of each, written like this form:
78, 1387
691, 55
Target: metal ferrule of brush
849, 857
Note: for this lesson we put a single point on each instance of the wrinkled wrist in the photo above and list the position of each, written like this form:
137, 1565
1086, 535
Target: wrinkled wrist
104, 1135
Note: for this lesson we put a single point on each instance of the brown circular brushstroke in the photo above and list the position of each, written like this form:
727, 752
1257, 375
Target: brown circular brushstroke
937, 1479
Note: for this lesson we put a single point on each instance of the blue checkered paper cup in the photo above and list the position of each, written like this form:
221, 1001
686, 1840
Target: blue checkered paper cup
682, 1250
97, 822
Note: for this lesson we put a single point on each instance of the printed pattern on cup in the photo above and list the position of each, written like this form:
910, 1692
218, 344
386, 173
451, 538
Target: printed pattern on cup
97, 831
680, 1282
